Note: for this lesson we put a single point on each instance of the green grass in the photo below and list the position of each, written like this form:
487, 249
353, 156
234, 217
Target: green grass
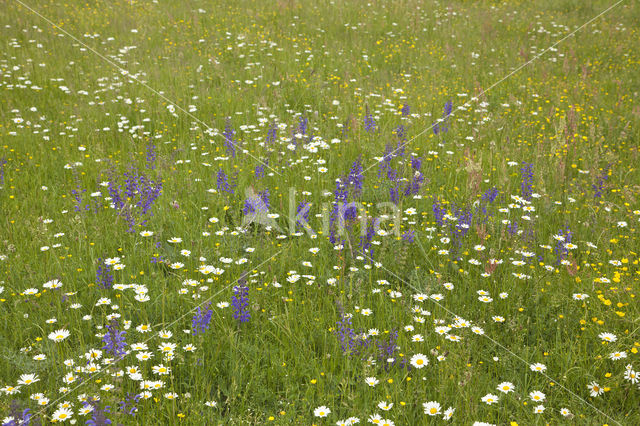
572, 113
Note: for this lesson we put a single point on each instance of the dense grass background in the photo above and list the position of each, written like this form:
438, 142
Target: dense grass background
70, 119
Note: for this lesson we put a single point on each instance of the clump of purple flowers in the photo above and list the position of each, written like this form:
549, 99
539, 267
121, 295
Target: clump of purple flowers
490, 195
459, 228
3, 161
409, 236
369, 122
561, 251
201, 320
487, 198
394, 189
526, 186
387, 351
598, 187
439, 211
257, 204
443, 125
303, 122
417, 179
240, 301
114, 342
365, 240
135, 201
341, 210
127, 405
402, 140
222, 182
104, 275
259, 170
355, 178
385, 164
352, 343
98, 414
77, 192
18, 416
152, 155
272, 133
228, 135
303, 211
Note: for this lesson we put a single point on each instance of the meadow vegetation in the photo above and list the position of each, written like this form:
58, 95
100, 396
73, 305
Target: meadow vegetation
331, 212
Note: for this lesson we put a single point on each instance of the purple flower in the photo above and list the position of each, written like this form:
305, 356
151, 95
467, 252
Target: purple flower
387, 350
78, 191
461, 227
490, 195
365, 241
443, 126
355, 178
19, 416
152, 155
272, 133
140, 193
409, 236
448, 108
303, 207
526, 186
349, 211
98, 414
385, 164
114, 190
240, 301
104, 275
560, 249
259, 171
394, 192
405, 110
341, 193
114, 342
352, 343
256, 204
3, 161
414, 185
598, 187
302, 125
131, 182
146, 193
200, 321
228, 135
369, 122
222, 182
264, 196
439, 212
346, 334
416, 163
127, 405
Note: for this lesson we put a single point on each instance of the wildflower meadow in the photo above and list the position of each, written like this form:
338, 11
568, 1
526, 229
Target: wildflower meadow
319, 213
